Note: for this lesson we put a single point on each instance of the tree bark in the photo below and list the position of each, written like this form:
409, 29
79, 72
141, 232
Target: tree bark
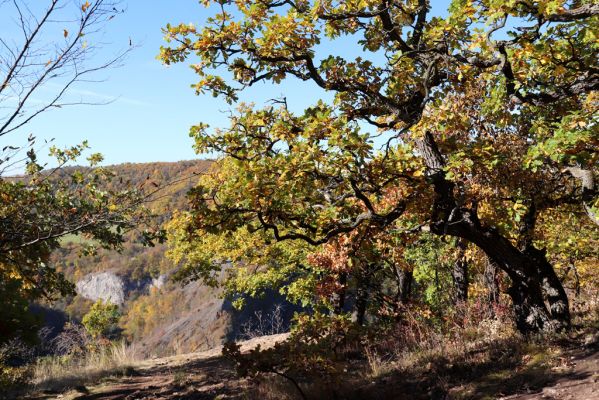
554, 292
459, 273
526, 291
404, 283
361, 303
362, 292
552, 287
490, 278
339, 297
589, 191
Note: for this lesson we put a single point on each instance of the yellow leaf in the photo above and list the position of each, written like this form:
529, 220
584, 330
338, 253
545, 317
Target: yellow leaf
85, 6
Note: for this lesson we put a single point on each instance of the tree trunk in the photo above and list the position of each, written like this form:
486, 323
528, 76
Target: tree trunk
404, 283
362, 292
361, 303
529, 275
459, 273
530, 310
339, 297
526, 291
552, 287
491, 281
554, 291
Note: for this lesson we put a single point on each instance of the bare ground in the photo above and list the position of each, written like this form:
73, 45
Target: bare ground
576, 378
202, 375
571, 373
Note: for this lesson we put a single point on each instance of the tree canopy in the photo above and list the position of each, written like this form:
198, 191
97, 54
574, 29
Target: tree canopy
488, 119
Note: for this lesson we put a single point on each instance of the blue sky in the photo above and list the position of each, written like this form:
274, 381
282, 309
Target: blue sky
154, 106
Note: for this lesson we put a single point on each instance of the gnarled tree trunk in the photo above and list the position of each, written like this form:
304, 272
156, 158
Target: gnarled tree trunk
524, 271
554, 292
552, 287
530, 274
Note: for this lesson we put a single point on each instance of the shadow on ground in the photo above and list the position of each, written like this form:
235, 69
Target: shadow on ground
506, 373
498, 370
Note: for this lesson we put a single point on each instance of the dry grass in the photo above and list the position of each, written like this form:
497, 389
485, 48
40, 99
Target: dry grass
378, 365
414, 344
61, 372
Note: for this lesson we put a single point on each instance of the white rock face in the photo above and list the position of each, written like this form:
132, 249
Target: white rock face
159, 282
105, 285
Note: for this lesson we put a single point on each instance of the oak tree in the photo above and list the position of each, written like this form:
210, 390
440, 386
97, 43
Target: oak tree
476, 124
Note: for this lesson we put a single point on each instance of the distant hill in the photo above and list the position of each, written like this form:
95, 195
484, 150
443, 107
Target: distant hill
169, 183
162, 316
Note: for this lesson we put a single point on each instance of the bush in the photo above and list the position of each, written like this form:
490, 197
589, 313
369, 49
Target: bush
101, 319
13, 370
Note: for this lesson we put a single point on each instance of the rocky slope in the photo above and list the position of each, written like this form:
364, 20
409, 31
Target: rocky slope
198, 318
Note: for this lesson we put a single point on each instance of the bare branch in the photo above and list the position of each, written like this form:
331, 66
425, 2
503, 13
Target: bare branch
32, 64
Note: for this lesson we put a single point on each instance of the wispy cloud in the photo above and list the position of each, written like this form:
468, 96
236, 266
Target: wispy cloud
101, 96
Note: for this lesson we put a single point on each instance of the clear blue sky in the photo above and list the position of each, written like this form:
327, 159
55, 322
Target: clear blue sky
155, 105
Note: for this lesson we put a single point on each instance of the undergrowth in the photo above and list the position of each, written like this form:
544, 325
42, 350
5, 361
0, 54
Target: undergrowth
476, 353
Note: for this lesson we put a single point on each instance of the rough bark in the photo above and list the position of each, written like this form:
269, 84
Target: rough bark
589, 190
554, 292
361, 303
459, 273
552, 287
362, 291
526, 291
404, 283
491, 281
528, 305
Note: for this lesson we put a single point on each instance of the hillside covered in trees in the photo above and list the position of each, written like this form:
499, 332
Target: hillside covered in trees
140, 274
157, 313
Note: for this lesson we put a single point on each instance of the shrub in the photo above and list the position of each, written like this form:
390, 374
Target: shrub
101, 319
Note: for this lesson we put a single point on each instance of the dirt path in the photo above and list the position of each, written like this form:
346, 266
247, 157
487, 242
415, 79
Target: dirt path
578, 379
203, 375
207, 375
197, 379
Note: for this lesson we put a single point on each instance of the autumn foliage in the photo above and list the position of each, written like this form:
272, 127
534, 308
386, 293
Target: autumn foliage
476, 128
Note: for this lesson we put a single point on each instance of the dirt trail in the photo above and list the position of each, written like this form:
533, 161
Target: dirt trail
578, 379
202, 375
207, 375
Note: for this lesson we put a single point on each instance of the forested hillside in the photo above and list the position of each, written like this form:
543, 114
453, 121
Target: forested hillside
161, 316
166, 186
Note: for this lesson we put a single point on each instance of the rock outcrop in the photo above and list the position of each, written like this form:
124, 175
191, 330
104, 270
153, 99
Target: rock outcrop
104, 285
159, 282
